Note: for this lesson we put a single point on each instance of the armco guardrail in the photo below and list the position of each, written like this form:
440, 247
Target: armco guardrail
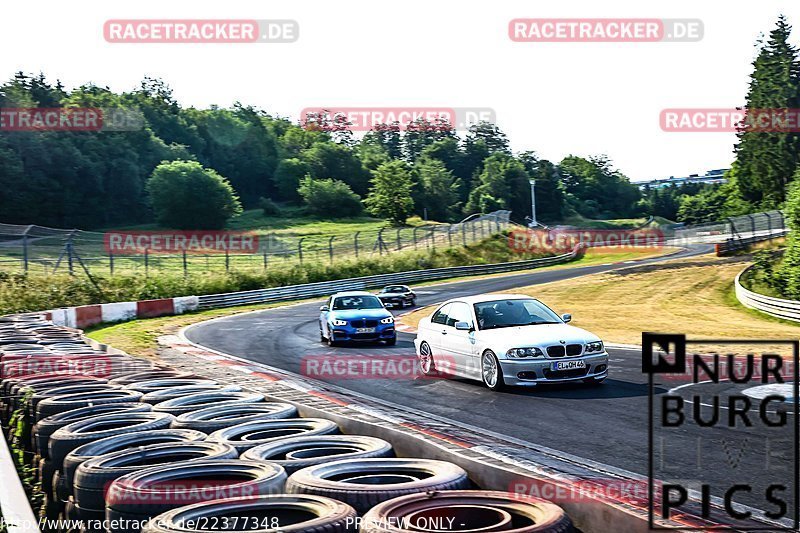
778, 307
324, 288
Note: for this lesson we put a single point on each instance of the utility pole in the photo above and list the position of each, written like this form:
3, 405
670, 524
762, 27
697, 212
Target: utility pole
534, 223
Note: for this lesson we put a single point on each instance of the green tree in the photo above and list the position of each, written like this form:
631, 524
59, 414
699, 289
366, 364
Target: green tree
493, 188
287, 178
550, 201
438, 190
184, 195
787, 276
767, 160
339, 162
390, 195
329, 198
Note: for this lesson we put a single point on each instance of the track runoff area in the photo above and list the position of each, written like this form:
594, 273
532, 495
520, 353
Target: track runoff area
710, 425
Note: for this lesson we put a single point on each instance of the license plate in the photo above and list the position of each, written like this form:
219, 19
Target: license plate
568, 365
365, 330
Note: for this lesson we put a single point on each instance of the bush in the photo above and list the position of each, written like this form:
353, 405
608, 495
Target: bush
187, 196
269, 208
329, 198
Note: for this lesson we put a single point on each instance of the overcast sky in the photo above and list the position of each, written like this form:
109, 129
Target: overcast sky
553, 98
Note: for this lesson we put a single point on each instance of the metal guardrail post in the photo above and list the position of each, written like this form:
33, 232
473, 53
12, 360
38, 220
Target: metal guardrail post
330, 247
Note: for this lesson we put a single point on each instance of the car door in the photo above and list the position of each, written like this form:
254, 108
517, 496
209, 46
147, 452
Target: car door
459, 344
438, 330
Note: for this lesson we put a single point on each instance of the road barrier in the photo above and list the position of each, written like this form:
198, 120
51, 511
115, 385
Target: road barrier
325, 288
777, 307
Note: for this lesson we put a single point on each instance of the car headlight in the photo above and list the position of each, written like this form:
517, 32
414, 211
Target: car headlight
340, 322
524, 352
594, 347
387, 320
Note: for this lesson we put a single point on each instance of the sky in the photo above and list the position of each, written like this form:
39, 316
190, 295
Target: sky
556, 98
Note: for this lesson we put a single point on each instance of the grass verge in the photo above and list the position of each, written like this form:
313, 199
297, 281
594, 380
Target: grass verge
683, 296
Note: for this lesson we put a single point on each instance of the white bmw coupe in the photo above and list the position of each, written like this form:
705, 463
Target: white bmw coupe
508, 339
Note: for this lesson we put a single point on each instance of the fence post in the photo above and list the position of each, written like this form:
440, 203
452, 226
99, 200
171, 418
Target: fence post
474, 236
380, 241
769, 223
25, 248
355, 242
146, 262
414, 235
265, 260
497, 221
111, 262
464, 233
69, 251
782, 222
227, 260
399, 245
185, 265
433, 237
450, 235
300, 249
330, 247
752, 224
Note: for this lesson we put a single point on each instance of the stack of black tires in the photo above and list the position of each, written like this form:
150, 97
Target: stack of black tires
122, 445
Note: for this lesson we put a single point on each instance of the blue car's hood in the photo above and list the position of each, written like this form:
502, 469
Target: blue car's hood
353, 314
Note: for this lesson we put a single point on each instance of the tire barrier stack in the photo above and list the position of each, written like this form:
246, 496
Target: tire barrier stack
122, 445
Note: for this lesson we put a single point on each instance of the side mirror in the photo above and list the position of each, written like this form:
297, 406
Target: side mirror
324, 308
566, 317
463, 326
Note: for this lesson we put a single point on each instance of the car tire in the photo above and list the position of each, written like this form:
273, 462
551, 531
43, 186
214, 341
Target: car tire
392, 341
473, 510
59, 404
329, 515
332, 343
427, 365
388, 478
213, 419
489, 360
295, 453
94, 476
146, 493
69, 437
251, 434
201, 400
115, 443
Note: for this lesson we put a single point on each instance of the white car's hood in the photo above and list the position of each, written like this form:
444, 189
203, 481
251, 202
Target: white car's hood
541, 335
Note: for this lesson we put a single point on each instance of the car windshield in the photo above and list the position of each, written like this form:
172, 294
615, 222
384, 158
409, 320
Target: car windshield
516, 312
356, 302
394, 288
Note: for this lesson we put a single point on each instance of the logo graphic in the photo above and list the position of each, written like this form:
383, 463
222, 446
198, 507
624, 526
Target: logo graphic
724, 438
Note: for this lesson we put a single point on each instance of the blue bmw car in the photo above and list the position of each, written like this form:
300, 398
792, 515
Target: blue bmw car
355, 316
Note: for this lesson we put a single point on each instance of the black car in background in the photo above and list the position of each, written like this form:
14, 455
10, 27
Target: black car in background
397, 296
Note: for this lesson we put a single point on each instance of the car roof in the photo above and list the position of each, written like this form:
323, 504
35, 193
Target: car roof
479, 298
353, 293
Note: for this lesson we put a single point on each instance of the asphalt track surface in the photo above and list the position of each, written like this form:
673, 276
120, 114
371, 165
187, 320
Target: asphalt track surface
606, 423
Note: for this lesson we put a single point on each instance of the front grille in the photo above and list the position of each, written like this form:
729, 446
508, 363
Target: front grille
565, 374
556, 351
574, 349
364, 323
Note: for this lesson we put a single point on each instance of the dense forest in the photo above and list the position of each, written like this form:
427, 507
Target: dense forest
100, 179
